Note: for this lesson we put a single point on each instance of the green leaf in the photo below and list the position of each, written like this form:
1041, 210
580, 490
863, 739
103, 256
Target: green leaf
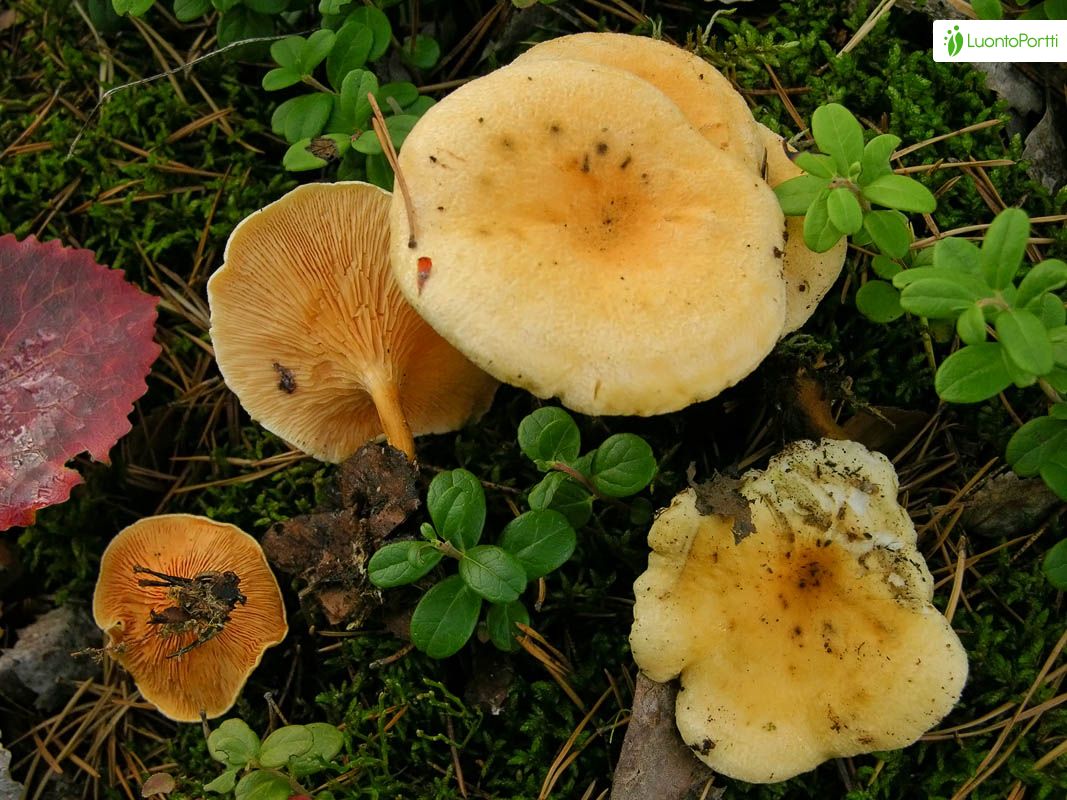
456, 502
889, 231
1058, 338
622, 465
958, 254
327, 742
302, 117
901, 193
549, 434
971, 326
972, 374
541, 541
402, 92
558, 492
1048, 276
299, 157
186, 11
241, 23
815, 164
318, 46
838, 134
421, 105
844, 210
885, 267
379, 172
988, 9
267, 6
233, 743
262, 785
796, 194
879, 301
375, 19
1055, 9
355, 110
1054, 564
285, 743
224, 783
1004, 246
1025, 340
398, 127
287, 52
500, 624
401, 563
819, 233
1030, 446
280, 78
1050, 310
445, 618
350, 51
421, 52
493, 573
941, 297
135, 8
875, 161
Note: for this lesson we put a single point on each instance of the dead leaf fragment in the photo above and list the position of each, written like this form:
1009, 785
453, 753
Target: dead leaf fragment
157, 785
329, 548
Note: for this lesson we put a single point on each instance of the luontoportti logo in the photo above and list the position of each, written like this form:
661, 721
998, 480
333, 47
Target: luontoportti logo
954, 41
988, 40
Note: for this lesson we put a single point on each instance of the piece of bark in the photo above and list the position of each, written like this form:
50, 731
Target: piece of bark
655, 764
1006, 505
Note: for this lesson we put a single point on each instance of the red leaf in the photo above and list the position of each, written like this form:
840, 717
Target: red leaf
75, 347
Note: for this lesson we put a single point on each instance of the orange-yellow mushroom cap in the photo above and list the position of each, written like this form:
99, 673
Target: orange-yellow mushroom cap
587, 242
313, 336
209, 677
702, 93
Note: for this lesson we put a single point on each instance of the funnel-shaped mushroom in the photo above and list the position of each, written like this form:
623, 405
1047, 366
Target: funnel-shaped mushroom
188, 605
808, 275
586, 242
812, 637
706, 98
313, 335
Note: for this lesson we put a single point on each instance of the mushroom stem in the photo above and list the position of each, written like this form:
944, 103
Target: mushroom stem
386, 397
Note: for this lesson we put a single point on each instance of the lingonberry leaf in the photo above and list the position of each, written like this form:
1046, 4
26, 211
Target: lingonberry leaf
75, 347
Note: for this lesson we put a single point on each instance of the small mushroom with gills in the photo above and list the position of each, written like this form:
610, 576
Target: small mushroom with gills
313, 336
189, 605
811, 637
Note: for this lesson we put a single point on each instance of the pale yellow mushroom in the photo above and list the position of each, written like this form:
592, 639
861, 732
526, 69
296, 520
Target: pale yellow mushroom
814, 636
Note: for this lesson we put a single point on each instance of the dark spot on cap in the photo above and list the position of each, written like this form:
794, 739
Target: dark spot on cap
704, 747
585, 163
286, 379
601, 148
802, 287
778, 252
626, 162
554, 128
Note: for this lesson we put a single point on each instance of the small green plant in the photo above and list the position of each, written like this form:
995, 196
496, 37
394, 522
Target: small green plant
271, 769
994, 9
332, 122
529, 547
1013, 328
845, 180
